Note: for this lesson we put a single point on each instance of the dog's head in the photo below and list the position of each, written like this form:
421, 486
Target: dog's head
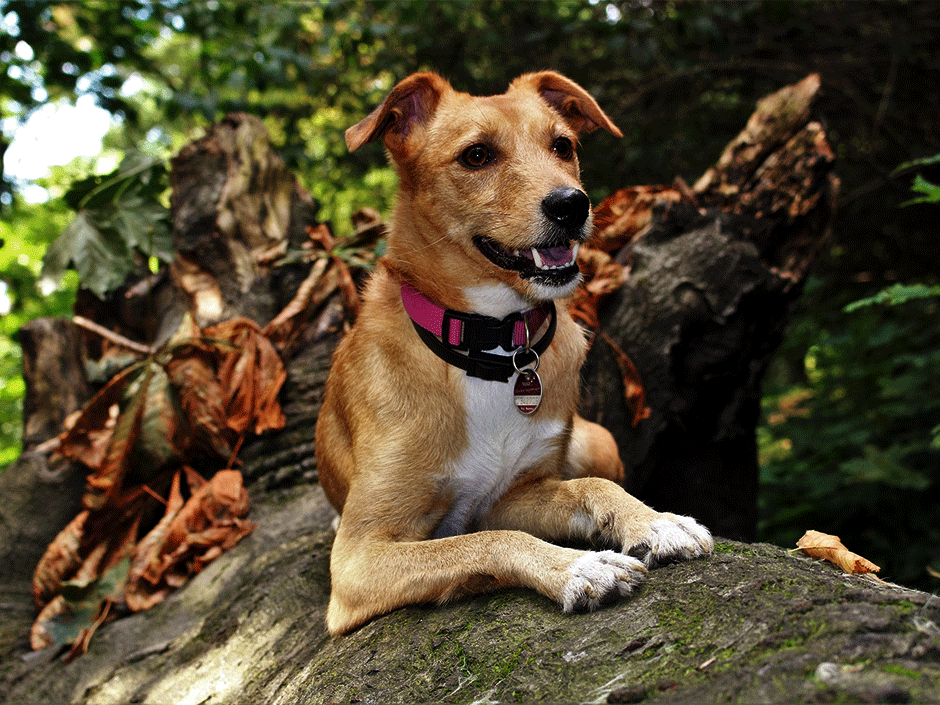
489, 186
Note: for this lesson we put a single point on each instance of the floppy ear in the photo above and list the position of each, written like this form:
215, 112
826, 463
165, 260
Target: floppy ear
410, 104
568, 99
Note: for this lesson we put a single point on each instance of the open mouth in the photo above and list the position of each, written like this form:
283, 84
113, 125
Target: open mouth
553, 266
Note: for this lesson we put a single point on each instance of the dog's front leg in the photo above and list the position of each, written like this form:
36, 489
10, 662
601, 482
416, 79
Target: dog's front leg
373, 574
602, 513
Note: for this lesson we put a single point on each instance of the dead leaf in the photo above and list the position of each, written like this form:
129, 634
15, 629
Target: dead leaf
189, 537
104, 485
632, 384
313, 291
251, 375
59, 562
86, 441
601, 277
829, 548
204, 426
143, 579
625, 213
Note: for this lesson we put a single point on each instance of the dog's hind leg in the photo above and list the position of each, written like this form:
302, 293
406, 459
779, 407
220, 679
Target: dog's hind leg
592, 452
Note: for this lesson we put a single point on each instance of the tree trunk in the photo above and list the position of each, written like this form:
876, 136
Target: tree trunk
713, 278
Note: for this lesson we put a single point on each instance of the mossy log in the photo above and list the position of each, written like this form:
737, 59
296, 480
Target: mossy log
753, 623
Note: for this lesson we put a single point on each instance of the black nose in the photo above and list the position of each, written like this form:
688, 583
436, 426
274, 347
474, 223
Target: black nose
568, 207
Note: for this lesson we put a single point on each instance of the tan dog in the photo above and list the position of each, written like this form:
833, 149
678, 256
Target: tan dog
452, 461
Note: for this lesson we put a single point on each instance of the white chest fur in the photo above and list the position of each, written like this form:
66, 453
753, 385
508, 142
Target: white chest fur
501, 442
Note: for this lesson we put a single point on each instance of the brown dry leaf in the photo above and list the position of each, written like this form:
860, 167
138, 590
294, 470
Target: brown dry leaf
143, 589
313, 291
632, 384
602, 276
86, 441
251, 375
192, 376
624, 213
189, 537
59, 562
104, 485
829, 548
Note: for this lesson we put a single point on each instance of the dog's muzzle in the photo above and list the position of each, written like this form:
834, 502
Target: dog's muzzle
552, 261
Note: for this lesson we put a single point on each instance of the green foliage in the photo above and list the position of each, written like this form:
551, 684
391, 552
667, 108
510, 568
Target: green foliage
23, 240
894, 295
120, 223
856, 450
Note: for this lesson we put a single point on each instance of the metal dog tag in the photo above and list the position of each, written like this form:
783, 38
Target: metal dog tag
527, 392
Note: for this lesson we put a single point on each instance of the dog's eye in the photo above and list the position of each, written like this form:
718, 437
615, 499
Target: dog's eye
476, 156
563, 148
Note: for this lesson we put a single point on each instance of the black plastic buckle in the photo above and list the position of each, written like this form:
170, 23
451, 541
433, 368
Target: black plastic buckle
480, 332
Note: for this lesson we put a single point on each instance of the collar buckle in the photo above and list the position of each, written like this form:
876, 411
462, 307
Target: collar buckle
473, 332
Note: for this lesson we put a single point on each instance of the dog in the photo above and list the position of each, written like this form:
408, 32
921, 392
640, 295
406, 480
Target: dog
448, 439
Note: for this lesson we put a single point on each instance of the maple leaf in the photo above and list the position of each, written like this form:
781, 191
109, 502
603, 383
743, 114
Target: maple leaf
829, 548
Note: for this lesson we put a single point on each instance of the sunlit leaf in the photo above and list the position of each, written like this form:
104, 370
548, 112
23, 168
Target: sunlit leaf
251, 373
827, 547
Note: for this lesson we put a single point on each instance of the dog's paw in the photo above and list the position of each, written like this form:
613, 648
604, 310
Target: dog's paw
597, 578
671, 538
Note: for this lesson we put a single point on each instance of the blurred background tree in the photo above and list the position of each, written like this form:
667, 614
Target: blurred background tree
850, 443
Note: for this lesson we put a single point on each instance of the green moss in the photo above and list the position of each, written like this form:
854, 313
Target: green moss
897, 670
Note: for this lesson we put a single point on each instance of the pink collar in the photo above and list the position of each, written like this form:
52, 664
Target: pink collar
472, 331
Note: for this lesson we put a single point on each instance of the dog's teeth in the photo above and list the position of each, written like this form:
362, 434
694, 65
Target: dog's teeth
537, 259
574, 252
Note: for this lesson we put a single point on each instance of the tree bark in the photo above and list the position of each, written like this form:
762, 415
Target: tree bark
753, 623
713, 277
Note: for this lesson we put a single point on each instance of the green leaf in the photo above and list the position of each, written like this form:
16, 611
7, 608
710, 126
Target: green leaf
119, 216
930, 191
101, 258
84, 601
895, 295
923, 161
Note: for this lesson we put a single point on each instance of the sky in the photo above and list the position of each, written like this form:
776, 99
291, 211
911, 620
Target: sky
54, 135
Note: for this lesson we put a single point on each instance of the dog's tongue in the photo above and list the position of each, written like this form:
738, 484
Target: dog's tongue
554, 256
549, 257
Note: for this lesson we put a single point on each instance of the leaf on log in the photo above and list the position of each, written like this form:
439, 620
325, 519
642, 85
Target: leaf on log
829, 548
633, 392
61, 559
87, 440
250, 375
189, 537
104, 485
625, 213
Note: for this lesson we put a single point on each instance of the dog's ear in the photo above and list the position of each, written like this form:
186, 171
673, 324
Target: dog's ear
568, 99
410, 104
